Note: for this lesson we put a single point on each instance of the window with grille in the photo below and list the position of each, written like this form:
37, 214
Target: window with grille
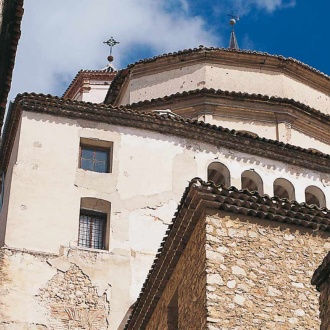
92, 227
94, 158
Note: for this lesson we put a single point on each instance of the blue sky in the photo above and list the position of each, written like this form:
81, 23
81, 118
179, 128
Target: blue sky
60, 37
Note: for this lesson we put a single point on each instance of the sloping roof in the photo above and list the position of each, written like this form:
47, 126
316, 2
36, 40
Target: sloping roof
162, 123
86, 74
198, 197
234, 54
274, 100
9, 35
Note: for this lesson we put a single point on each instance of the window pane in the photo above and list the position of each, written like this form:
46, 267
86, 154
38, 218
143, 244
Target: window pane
100, 167
101, 155
91, 231
94, 159
87, 164
87, 153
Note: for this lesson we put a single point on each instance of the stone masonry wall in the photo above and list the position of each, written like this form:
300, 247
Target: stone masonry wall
259, 273
325, 305
189, 279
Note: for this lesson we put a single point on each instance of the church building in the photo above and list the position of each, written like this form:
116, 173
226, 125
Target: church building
91, 182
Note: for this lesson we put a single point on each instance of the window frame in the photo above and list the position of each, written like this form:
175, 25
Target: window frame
101, 216
96, 145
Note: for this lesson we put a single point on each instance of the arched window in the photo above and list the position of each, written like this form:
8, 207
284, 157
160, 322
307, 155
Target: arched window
94, 223
314, 195
252, 181
218, 173
284, 189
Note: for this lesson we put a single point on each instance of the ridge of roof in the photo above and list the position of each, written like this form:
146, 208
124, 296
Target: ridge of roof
240, 51
225, 93
115, 86
88, 73
198, 196
165, 124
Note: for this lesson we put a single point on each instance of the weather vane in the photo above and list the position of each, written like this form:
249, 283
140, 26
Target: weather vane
233, 19
111, 43
233, 44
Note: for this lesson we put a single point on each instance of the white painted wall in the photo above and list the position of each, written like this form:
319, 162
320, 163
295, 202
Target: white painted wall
149, 174
228, 78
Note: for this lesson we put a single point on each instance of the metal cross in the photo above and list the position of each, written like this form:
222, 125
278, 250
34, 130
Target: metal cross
111, 43
235, 17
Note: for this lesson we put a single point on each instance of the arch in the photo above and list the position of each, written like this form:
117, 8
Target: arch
218, 174
314, 195
284, 189
94, 223
252, 181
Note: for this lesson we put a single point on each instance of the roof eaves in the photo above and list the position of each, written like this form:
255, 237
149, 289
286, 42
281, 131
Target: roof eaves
173, 125
201, 195
117, 83
231, 94
9, 37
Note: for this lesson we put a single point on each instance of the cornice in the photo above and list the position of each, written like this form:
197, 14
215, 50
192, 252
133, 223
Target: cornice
234, 58
164, 124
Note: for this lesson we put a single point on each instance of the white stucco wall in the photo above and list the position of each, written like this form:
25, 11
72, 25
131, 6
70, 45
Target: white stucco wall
228, 78
149, 174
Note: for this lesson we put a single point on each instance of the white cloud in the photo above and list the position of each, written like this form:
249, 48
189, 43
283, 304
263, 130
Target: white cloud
59, 37
245, 6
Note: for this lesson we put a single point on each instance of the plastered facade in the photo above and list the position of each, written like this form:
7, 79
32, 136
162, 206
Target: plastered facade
185, 77
143, 193
259, 273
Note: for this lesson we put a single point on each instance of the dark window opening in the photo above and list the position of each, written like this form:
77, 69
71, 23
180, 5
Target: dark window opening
94, 159
92, 227
312, 199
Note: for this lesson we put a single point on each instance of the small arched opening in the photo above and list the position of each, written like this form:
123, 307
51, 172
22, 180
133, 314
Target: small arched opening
314, 195
284, 189
218, 174
252, 181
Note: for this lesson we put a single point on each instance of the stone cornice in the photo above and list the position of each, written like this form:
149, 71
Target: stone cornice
197, 199
227, 95
235, 58
164, 124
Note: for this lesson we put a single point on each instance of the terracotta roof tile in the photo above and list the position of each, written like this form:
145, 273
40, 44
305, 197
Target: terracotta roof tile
231, 95
92, 74
9, 35
198, 196
162, 123
119, 79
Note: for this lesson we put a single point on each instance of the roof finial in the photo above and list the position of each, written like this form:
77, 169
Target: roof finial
233, 41
111, 43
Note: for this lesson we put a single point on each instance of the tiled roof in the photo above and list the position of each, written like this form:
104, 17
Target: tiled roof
9, 35
199, 196
162, 123
91, 74
119, 79
232, 95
